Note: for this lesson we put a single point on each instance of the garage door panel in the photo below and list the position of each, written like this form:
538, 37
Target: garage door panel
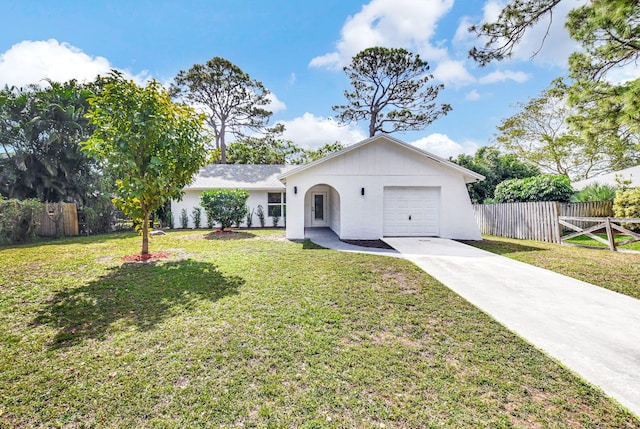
411, 211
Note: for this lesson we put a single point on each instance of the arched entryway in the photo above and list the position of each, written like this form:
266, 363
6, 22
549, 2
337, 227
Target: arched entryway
322, 208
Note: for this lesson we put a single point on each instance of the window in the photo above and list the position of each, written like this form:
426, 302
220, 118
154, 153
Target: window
276, 204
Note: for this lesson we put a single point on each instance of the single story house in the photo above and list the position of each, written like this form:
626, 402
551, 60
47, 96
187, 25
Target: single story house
631, 174
261, 181
372, 189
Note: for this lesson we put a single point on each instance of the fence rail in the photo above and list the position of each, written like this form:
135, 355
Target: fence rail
609, 224
534, 221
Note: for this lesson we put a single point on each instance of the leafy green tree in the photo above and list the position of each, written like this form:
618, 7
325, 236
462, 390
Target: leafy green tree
311, 155
152, 146
390, 90
578, 135
225, 206
607, 30
268, 149
606, 116
544, 187
234, 102
540, 134
496, 167
40, 134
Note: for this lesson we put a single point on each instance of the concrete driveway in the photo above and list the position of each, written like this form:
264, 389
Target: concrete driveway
591, 330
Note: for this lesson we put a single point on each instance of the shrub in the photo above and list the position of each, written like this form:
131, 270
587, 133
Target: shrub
169, 220
545, 187
225, 206
99, 214
249, 219
595, 192
184, 219
196, 215
260, 214
19, 220
627, 204
210, 222
275, 219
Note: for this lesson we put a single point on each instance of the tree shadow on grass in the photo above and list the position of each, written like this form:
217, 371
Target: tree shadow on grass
229, 235
310, 245
502, 247
134, 294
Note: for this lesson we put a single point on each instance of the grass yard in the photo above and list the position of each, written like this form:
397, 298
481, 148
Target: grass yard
616, 271
255, 331
588, 241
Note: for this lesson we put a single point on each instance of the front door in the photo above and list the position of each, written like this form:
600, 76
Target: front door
319, 209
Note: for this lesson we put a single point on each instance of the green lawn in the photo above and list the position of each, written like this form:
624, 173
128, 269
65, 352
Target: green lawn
588, 241
255, 331
617, 271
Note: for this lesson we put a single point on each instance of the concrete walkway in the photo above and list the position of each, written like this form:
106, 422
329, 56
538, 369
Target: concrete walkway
591, 330
327, 238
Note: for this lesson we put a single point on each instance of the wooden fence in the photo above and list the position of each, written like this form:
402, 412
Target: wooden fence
59, 219
534, 221
608, 224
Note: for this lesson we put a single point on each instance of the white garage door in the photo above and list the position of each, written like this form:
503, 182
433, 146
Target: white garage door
411, 211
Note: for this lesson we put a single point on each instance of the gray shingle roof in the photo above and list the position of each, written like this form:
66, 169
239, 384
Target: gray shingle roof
244, 176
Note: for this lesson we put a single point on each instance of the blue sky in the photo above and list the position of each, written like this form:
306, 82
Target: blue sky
295, 48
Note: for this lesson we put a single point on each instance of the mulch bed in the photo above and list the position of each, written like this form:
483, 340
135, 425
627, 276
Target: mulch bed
138, 257
377, 244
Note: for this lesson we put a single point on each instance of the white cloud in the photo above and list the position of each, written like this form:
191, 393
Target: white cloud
463, 36
453, 72
619, 75
502, 75
311, 132
292, 78
30, 62
391, 23
443, 146
473, 95
275, 105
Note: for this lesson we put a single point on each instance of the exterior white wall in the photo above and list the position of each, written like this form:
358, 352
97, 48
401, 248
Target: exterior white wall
373, 167
334, 210
191, 199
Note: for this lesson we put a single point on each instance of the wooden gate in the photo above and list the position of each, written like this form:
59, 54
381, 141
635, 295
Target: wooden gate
609, 224
59, 219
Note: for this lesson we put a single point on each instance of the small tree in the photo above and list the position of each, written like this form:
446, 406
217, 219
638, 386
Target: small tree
545, 187
184, 219
225, 206
249, 219
196, 215
152, 146
260, 214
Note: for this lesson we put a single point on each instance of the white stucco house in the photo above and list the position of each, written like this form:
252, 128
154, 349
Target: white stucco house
261, 181
631, 174
372, 189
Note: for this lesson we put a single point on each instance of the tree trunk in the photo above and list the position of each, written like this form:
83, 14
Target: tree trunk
145, 233
223, 144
